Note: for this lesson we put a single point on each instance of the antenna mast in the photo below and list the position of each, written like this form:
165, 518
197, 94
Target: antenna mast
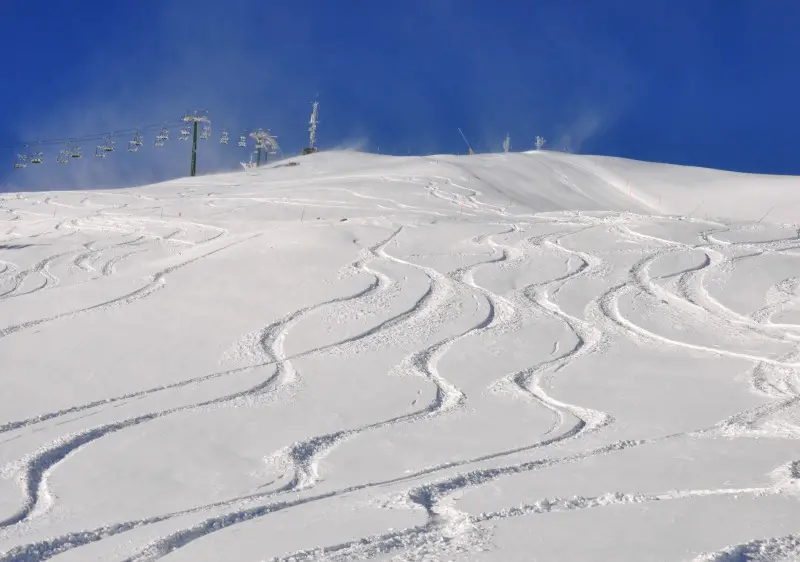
465, 140
312, 130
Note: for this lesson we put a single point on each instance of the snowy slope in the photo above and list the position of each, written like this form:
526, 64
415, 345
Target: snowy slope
502, 357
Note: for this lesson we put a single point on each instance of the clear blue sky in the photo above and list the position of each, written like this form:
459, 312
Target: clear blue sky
703, 82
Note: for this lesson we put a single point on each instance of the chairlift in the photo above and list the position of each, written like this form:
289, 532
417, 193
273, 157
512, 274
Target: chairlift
22, 162
205, 131
133, 145
243, 141
100, 151
75, 152
161, 137
108, 144
36, 158
185, 134
63, 157
224, 138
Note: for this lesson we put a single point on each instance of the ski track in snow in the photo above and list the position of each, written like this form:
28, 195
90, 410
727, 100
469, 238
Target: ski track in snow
447, 530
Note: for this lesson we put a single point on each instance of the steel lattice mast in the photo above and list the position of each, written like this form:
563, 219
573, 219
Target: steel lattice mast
312, 129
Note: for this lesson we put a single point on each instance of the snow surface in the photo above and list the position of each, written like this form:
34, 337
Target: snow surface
531, 356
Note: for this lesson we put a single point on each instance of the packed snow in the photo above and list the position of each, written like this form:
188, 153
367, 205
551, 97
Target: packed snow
345, 356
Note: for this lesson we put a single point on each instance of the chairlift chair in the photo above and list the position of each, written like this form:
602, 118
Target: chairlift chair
75, 152
100, 151
63, 157
185, 133
133, 145
205, 131
108, 145
22, 162
36, 158
161, 137
224, 138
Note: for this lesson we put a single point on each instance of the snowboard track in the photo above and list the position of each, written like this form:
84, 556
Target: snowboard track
448, 530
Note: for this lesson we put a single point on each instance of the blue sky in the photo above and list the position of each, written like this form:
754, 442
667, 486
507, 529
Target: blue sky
711, 83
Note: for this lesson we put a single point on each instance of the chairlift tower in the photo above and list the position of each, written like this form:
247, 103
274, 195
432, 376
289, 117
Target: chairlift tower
312, 130
264, 141
196, 117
